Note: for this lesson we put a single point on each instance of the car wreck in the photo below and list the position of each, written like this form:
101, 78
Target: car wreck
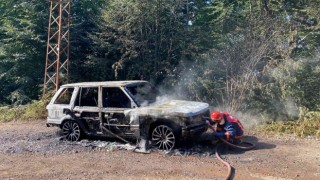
118, 108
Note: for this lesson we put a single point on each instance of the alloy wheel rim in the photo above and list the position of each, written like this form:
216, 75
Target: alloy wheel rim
163, 137
71, 131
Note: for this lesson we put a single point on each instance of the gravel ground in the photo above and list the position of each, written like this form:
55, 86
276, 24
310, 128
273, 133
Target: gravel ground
30, 150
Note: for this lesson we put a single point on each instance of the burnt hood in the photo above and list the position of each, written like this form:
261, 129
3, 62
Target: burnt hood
171, 108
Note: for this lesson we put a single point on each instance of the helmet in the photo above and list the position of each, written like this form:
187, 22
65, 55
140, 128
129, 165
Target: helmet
216, 116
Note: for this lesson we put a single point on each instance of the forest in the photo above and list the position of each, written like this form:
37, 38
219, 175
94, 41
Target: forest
257, 56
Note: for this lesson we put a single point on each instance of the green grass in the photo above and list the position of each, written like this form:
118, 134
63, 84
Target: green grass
307, 125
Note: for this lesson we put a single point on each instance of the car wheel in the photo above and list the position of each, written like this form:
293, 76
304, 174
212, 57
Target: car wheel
71, 131
163, 137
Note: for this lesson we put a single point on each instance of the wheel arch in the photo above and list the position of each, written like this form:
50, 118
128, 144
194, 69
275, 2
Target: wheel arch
65, 120
80, 123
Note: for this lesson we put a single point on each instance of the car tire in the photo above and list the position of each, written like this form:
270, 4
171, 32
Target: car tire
164, 137
71, 130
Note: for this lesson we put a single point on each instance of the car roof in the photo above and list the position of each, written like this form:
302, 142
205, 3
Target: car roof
105, 83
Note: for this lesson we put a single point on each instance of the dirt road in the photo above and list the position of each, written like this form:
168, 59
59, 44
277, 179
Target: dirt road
30, 150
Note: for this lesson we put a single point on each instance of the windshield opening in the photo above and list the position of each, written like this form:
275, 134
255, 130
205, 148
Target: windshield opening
143, 94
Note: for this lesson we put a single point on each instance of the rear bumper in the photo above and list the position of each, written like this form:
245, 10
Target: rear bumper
52, 125
194, 130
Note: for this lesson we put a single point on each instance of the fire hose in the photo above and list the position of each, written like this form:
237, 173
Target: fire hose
229, 167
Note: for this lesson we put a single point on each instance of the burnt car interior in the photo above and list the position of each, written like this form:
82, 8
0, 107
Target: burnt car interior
114, 97
88, 97
65, 96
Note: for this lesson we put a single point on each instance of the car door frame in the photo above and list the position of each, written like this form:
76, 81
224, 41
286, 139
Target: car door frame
107, 112
80, 110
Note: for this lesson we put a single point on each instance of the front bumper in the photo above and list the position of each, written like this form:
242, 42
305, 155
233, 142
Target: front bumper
194, 130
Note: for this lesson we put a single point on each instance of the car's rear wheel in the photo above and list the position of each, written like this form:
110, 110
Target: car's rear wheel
164, 137
71, 131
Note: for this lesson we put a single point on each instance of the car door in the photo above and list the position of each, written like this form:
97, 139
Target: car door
87, 107
114, 102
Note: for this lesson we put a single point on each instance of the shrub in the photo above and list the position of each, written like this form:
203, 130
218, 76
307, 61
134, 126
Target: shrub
307, 125
11, 113
33, 111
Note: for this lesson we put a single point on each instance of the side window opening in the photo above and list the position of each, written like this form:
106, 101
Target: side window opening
65, 96
115, 98
87, 97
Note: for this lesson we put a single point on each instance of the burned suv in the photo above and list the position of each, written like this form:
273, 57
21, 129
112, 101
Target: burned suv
117, 108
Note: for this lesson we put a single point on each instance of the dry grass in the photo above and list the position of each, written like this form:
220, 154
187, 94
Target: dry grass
11, 113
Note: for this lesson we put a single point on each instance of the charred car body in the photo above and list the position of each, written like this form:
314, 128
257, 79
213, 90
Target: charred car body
125, 109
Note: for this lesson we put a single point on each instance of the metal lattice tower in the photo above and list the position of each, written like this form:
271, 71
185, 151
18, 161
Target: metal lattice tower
57, 56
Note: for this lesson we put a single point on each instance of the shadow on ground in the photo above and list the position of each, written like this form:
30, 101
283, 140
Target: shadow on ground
206, 145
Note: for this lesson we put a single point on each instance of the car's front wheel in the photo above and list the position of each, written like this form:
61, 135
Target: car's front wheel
164, 137
71, 131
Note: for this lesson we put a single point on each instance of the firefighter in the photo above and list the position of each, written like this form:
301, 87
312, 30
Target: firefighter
227, 127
